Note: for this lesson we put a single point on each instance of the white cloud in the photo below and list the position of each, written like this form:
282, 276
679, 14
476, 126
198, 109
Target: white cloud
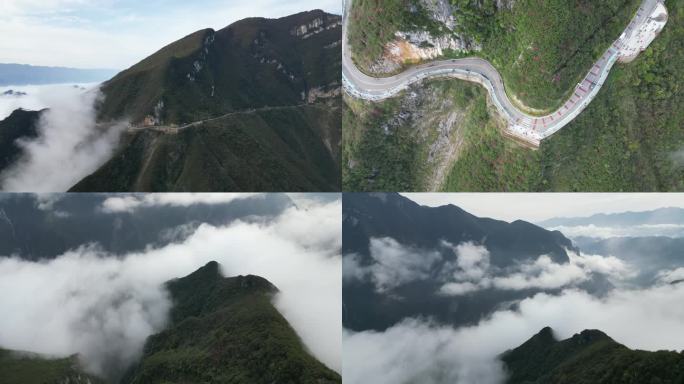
472, 261
37, 97
459, 289
69, 146
395, 264
541, 273
415, 351
81, 302
672, 276
419, 352
78, 302
129, 203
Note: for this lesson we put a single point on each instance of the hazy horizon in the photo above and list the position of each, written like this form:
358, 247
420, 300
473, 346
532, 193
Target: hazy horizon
116, 34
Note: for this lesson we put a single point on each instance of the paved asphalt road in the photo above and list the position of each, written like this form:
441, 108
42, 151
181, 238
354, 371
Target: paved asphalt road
531, 129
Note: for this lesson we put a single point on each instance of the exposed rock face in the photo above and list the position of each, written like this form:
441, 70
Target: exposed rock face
507, 4
428, 46
198, 64
316, 26
418, 46
440, 10
332, 91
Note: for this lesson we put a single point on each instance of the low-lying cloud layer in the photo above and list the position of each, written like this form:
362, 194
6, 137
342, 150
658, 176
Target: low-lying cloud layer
104, 307
395, 264
129, 203
418, 351
69, 145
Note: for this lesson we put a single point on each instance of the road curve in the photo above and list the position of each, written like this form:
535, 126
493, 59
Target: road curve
644, 27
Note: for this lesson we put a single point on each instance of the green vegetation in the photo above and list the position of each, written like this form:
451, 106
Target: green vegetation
630, 138
397, 160
290, 149
541, 47
210, 73
374, 160
590, 357
544, 47
27, 368
373, 24
284, 125
397, 145
226, 330
490, 161
222, 330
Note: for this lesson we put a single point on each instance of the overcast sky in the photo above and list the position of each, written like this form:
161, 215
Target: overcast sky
119, 33
541, 206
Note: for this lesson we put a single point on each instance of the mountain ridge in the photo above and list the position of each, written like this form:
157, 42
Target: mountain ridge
588, 357
226, 330
424, 230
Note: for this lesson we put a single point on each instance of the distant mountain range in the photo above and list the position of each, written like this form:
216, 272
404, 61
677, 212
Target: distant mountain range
367, 216
34, 233
255, 106
658, 216
590, 357
648, 255
22, 74
222, 330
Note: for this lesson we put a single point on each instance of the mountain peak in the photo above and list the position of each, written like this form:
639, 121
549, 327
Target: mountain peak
546, 335
589, 336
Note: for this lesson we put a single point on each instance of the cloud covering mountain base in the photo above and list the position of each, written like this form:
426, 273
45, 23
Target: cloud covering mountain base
70, 144
104, 307
417, 350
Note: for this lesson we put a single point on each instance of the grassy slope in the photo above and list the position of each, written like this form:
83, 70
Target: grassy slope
231, 64
226, 331
629, 139
25, 369
277, 150
285, 150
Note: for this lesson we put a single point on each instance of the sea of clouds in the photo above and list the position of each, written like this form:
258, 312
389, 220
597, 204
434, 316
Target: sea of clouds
420, 350
103, 307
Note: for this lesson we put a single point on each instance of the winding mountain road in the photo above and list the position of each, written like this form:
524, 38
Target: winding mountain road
174, 129
642, 30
